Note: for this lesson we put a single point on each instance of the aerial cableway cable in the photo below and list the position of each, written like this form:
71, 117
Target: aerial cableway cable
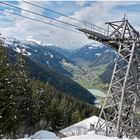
10, 5
47, 9
64, 28
53, 11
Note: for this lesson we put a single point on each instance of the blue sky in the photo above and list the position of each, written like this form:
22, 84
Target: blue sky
97, 12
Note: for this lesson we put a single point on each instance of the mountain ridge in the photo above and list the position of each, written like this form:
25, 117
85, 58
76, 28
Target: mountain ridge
47, 75
87, 65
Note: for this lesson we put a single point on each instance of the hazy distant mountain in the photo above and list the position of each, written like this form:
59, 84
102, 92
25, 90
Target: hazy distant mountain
93, 55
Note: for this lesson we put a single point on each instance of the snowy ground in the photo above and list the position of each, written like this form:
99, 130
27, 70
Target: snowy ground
78, 131
80, 128
42, 134
93, 136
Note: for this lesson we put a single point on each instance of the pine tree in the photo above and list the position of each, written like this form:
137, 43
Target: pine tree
66, 110
56, 116
76, 116
24, 96
41, 100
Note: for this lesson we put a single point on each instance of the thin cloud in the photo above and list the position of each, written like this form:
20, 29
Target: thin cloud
97, 13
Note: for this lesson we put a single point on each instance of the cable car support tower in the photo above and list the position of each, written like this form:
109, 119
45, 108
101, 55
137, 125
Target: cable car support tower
117, 116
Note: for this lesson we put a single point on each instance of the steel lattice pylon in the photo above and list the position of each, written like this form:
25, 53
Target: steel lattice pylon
117, 117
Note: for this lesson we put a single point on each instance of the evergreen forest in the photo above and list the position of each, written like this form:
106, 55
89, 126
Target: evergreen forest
28, 105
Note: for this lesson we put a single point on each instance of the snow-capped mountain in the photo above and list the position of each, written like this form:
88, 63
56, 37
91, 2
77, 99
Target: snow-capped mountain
77, 65
94, 54
46, 55
44, 63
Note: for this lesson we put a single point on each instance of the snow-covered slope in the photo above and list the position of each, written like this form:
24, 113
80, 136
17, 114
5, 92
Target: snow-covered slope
82, 127
43, 134
75, 132
47, 55
93, 136
84, 130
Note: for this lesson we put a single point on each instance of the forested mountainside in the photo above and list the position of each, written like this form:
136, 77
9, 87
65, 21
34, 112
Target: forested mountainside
85, 65
47, 75
32, 105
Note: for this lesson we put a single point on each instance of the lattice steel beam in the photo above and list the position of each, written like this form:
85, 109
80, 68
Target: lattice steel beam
117, 114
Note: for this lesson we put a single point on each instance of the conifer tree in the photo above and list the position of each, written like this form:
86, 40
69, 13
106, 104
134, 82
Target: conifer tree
76, 116
24, 96
55, 115
65, 109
